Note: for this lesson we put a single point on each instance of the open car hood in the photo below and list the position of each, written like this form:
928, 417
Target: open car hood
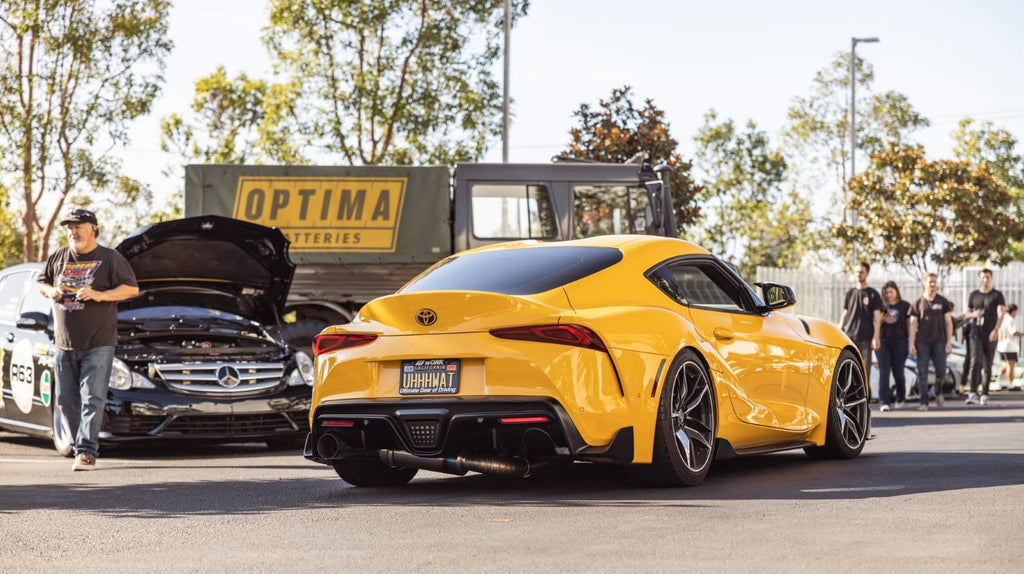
213, 262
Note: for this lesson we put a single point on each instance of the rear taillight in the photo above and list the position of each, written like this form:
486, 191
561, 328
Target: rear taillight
334, 341
563, 334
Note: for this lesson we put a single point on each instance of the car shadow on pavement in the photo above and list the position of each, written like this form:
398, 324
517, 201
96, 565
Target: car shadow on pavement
782, 476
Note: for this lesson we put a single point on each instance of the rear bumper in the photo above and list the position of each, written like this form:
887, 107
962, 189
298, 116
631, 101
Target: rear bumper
526, 427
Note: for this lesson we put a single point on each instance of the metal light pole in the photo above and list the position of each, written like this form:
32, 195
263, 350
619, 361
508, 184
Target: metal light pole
504, 101
853, 114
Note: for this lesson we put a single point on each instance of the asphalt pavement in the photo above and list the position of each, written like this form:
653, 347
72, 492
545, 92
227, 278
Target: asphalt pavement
936, 491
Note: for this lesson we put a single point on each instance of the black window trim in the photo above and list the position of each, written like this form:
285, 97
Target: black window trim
747, 296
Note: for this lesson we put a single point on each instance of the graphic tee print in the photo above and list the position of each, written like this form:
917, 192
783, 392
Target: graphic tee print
71, 280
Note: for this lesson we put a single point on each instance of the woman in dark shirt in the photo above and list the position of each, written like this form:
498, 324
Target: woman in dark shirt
892, 354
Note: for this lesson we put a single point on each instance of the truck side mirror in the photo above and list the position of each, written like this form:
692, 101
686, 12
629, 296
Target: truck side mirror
655, 198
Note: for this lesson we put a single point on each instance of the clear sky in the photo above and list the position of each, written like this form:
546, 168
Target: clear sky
747, 59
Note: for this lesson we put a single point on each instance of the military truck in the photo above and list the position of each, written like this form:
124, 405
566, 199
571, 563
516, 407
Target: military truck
361, 232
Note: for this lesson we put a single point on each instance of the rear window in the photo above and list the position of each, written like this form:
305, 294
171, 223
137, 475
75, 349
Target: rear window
515, 271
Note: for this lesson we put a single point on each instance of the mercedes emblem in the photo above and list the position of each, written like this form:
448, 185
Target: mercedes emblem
228, 377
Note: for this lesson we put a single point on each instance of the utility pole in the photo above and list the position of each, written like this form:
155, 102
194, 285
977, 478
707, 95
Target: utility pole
853, 134
504, 101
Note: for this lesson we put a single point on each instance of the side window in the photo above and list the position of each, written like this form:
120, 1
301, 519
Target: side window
12, 288
607, 209
512, 212
34, 301
700, 284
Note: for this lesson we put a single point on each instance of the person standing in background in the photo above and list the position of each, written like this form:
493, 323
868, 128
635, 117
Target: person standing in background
893, 348
862, 314
931, 337
1009, 344
986, 308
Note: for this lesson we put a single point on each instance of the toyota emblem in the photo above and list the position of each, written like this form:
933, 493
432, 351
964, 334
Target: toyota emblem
228, 377
426, 317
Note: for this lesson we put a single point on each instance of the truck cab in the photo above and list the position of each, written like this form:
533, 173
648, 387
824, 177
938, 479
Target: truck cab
549, 202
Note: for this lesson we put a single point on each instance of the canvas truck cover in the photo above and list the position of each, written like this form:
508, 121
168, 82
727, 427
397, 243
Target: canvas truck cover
334, 214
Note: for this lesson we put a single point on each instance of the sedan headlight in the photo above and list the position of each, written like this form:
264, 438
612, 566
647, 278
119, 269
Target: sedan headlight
122, 378
302, 374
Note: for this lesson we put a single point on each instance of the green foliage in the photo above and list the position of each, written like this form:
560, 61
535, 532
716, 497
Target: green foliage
364, 83
10, 239
619, 129
817, 133
992, 147
241, 121
747, 218
996, 149
930, 215
72, 77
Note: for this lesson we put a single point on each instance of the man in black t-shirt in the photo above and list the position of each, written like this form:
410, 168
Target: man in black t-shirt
862, 314
985, 309
86, 280
931, 336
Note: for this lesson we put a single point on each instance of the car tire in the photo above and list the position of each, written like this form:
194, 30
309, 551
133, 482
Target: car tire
367, 471
848, 413
685, 431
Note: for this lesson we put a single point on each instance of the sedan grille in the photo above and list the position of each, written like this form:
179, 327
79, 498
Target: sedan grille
223, 424
220, 378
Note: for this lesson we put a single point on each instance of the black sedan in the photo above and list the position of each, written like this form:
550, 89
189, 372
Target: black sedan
194, 359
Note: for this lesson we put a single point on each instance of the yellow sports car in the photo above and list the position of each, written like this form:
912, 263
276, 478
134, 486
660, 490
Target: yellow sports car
636, 350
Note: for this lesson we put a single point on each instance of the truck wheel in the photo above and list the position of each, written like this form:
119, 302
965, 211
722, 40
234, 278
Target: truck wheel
300, 333
367, 471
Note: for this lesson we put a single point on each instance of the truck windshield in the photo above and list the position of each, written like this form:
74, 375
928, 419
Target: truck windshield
515, 271
608, 209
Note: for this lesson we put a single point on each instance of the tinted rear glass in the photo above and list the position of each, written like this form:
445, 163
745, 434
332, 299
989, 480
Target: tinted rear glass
515, 271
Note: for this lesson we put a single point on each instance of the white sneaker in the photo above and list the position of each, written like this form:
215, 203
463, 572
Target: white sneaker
984, 400
883, 408
972, 399
899, 405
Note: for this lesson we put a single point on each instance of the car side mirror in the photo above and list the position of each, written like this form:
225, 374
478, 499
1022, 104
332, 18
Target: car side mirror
777, 296
34, 321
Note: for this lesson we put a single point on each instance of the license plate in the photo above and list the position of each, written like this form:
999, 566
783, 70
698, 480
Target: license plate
430, 377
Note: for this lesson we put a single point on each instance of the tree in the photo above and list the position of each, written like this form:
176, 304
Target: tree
991, 146
364, 83
619, 129
72, 76
817, 133
10, 239
747, 217
930, 215
243, 120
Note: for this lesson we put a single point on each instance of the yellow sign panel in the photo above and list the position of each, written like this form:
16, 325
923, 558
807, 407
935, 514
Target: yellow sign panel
325, 214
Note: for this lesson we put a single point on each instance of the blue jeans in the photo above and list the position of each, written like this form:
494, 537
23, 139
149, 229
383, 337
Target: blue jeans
892, 356
82, 380
936, 354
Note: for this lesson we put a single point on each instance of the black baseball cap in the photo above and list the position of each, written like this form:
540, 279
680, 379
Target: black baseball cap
80, 216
